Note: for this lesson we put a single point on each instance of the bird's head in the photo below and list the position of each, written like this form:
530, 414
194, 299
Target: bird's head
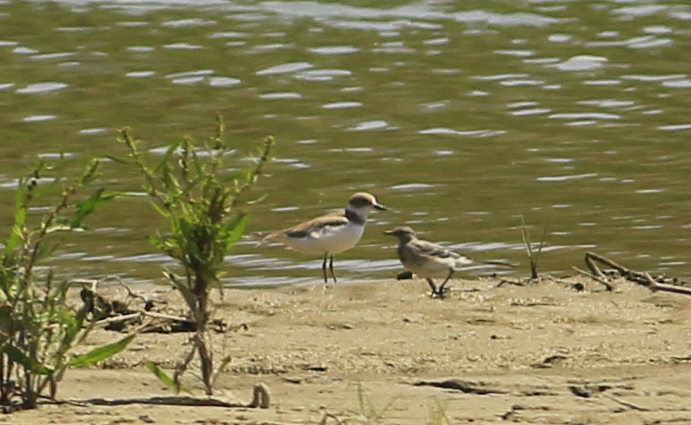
403, 233
363, 203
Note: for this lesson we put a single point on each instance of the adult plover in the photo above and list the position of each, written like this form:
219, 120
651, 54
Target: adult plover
330, 234
427, 259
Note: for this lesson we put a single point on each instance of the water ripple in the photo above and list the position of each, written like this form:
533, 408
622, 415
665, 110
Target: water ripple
342, 105
188, 80
286, 68
499, 77
566, 178
518, 53
280, 96
92, 131
48, 56
392, 26
370, 125
675, 127
183, 46
140, 49
334, 50
24, 50
472, 133
516, 83
228, 34
223, 81
191, 22
532, 111
512, 19
601, 83
653, 78
678, 84
39, 118
321, 74
606, 103
582, 63
412, 186
140, 74
436, 41
42, 88
638, 11
199, 73
586, 115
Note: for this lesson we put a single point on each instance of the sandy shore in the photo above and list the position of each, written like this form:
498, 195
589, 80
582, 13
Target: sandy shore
385, 353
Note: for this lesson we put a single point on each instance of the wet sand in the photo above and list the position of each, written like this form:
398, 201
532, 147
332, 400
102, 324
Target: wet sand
385, 353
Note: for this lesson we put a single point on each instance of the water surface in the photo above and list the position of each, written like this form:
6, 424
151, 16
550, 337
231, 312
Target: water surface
461, 116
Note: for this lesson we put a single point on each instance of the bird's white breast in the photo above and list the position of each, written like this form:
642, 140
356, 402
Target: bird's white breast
328, 239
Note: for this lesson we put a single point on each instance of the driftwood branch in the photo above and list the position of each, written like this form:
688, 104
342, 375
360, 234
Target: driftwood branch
641, 278
117, 315
597, 278
656, 286
627, 273
626, 403
261, 398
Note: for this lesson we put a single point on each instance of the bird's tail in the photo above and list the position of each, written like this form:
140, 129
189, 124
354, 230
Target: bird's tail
500, 263
263, 237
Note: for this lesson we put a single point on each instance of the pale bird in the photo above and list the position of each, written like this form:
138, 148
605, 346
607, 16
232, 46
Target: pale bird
429, 260
329, 234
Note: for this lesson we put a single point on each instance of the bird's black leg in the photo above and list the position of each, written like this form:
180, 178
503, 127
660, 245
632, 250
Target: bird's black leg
441, 288
324, 268
331, 267
433, 286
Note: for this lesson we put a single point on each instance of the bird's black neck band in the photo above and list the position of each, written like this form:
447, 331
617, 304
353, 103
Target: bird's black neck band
354, 217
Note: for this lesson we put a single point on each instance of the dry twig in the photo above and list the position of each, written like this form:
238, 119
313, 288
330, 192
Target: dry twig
642, 278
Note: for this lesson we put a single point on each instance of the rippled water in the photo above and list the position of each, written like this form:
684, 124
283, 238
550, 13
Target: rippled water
460, 116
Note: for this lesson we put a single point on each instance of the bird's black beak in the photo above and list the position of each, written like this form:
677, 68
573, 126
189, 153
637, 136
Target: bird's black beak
388, 232
379, 207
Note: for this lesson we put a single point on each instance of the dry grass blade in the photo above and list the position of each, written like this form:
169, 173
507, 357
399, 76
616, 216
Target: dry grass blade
532, 255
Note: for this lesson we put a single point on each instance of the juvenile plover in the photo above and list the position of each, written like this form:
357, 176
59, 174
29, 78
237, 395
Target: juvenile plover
329, 234
427, 259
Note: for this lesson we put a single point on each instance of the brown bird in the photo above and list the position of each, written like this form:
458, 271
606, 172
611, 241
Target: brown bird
429, 260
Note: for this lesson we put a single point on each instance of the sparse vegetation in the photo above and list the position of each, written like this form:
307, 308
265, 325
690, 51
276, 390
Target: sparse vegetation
38, 329
203, 204
533, 256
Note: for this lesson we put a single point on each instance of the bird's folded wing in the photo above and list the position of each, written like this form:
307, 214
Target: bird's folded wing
432, 249
316, 225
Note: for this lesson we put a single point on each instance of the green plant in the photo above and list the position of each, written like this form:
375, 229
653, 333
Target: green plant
202, 203
38, 329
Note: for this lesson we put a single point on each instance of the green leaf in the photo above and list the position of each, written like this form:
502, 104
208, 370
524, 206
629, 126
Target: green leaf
258, 200
17, 231
87, 207
166, 157
236, 233
164, 378
101, 353
116, 159
25, 361
72, 323
160, 210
